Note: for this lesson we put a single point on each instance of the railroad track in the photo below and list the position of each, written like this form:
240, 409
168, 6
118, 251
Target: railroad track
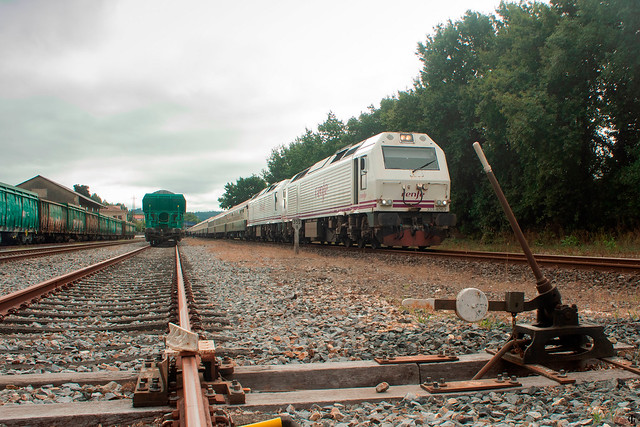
588, 262
94, 326
117, 303
24, 253
88, 337
627, 265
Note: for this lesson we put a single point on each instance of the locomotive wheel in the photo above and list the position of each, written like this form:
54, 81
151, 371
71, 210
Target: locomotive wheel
361, 243
347, 242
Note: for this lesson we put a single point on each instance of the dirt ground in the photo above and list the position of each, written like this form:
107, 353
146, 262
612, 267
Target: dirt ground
395, 277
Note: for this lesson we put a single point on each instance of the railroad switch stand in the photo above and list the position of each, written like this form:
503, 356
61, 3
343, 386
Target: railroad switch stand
565, 339
557, 335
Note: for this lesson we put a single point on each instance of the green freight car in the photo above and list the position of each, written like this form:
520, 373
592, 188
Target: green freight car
18, 214
26, 218
163, 216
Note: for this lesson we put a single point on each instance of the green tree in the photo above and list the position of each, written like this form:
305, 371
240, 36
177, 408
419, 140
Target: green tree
82, 189
454, 57
593, 67
366, 125
243, 189
191, 217
516, 119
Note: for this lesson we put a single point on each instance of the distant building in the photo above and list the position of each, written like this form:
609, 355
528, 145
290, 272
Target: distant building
50, 190
138, 217
115, 211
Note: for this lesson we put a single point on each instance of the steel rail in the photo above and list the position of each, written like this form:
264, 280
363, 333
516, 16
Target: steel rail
13, 301
13, 255
195, 411
618, 264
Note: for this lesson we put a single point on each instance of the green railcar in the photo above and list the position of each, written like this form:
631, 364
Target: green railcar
76, 222
129, 230
18, 214
53, 222
164, 216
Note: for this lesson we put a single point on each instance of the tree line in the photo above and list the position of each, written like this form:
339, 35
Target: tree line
551, 91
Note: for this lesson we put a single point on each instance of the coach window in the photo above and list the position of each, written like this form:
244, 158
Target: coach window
275, 200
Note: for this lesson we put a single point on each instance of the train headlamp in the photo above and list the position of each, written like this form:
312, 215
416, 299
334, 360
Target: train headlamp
442, 202
406, 138
386, 202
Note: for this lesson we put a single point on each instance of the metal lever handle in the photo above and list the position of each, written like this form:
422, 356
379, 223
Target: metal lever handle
543, 286
482, 157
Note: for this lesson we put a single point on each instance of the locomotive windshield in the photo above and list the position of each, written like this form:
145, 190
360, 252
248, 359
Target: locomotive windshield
412, 158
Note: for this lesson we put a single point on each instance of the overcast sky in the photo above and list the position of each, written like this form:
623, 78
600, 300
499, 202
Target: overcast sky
129, 97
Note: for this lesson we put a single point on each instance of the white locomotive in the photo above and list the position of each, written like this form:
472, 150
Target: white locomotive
392, 189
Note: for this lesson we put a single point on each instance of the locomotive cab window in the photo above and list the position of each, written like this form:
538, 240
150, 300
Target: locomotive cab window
411, 158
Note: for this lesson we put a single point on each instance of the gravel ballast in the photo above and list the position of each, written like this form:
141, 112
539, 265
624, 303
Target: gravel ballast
322, 306
263, 305
17, 275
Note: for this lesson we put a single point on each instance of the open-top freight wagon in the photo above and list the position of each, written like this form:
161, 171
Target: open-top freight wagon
27, 218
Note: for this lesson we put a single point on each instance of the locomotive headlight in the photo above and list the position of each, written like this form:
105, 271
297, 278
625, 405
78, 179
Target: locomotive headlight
386, 202
442, 202
406, 138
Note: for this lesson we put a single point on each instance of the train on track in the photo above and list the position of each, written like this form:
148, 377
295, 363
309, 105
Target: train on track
392, 189
26, 218
164, 217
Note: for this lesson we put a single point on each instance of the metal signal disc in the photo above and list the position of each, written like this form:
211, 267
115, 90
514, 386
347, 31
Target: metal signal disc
471, 305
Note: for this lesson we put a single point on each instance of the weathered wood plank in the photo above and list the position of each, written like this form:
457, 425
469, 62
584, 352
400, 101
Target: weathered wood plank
78, 414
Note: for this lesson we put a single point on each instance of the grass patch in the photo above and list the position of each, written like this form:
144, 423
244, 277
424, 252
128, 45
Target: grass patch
492, 322
578, 243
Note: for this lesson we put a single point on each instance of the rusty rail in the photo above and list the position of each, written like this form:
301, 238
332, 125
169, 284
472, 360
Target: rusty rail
17, 254
573, 261
617, 264
196, 413
22, 298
